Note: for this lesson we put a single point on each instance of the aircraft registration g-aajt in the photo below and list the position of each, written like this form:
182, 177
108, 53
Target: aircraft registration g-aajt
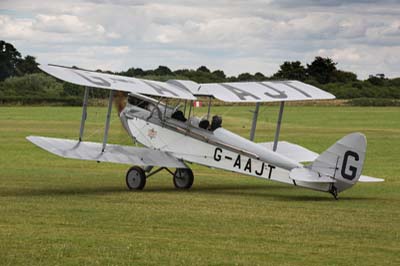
173, 137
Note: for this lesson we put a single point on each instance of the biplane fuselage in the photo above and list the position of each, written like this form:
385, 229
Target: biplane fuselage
220, 148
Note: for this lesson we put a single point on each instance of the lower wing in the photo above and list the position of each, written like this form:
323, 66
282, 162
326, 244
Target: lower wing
92, 151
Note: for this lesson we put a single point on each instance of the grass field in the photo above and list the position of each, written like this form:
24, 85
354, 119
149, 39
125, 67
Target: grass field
56, 211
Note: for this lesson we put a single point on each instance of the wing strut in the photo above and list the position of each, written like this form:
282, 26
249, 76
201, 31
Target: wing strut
254, 124
84, 113
110, 101
209, 108
190, 110
278, 126
184, 110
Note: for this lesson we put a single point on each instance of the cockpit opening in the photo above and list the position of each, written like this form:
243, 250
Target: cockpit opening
195, 121
167, 111
138, 102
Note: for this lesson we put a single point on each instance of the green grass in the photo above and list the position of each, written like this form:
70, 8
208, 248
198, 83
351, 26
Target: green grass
56, 211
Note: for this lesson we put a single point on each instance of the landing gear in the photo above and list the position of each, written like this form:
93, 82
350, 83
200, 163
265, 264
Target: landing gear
135, 178
334, 192
183, 178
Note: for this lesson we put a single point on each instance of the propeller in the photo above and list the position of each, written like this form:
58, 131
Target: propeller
120, 100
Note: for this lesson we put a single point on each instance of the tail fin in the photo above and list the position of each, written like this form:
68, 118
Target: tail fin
343, 161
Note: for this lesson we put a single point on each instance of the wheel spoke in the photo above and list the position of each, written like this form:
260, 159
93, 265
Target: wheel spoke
183, 178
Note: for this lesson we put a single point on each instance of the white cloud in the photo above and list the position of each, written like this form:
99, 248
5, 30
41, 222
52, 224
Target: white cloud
366, 60
236, 36
15, 30
60, 24
350, 55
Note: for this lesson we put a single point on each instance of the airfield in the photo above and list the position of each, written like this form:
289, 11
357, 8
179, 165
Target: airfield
57, 211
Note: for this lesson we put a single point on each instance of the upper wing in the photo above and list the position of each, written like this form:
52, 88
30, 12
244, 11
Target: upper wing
114, 153
116, 82
267, 91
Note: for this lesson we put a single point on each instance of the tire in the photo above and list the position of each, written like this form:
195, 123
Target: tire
183, 178
135, 178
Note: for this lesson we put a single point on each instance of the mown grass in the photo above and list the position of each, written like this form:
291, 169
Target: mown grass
55, 211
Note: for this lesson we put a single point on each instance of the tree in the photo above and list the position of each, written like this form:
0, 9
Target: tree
70, 89
162, 70
9, 59
376, 81
245, 77
28, 65
291, 70
182, 72
259, 76
133, 72
32, 85
219, 74
203, 69
343, 76
321, 69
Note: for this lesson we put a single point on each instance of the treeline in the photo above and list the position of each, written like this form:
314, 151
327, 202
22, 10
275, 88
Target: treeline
22, 81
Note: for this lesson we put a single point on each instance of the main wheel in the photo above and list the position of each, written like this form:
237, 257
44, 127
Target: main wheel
135, 178
183, 178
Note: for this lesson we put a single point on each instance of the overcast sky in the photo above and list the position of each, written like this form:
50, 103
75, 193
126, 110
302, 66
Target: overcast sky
363, 36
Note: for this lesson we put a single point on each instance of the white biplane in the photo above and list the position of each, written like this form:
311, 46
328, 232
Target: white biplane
175, 137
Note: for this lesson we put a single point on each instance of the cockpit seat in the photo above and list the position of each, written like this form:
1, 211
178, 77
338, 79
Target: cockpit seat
194, 121
178, 115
